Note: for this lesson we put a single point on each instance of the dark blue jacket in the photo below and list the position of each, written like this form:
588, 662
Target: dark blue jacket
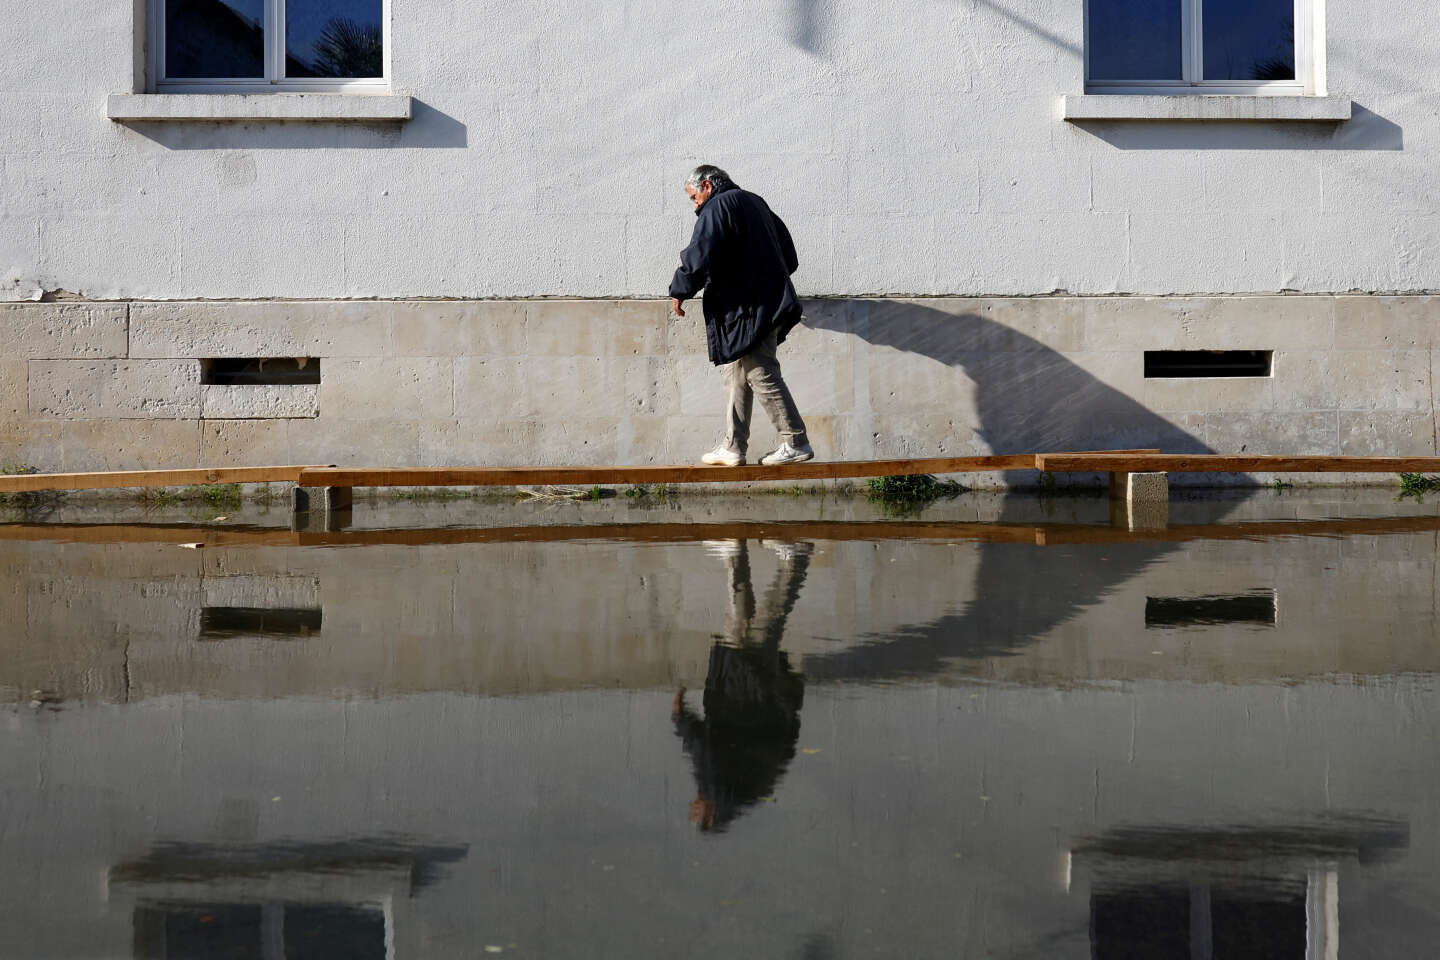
742, 255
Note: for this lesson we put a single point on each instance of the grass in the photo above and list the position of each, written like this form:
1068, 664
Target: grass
27, 499
909, 494
1417, 485
641, 491
1280, 486
430, 495
214, 494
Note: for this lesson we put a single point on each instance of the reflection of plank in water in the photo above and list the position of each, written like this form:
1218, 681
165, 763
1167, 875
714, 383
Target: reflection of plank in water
1045, 535
1256, 607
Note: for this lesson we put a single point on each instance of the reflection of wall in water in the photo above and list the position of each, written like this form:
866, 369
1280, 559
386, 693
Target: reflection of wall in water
121, 622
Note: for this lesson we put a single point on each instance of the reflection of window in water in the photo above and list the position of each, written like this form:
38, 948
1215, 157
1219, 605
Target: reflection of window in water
1239, 893
276, 901
1209, 921
270, 931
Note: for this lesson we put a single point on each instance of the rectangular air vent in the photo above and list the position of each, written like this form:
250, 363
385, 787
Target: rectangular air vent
1170, 364
217, 623
1256, 608
260, 371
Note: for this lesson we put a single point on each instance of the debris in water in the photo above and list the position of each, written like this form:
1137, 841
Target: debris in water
192, 546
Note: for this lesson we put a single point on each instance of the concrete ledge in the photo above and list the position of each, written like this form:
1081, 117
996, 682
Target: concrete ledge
1190, 106
334, 107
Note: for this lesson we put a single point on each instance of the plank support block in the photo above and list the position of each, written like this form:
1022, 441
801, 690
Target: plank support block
321, 499
1140, 501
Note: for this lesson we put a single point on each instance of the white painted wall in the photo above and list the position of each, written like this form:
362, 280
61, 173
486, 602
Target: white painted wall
912, 145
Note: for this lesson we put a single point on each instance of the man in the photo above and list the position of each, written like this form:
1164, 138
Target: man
742, 255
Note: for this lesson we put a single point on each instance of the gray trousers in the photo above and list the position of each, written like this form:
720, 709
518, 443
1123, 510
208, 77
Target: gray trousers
758, 372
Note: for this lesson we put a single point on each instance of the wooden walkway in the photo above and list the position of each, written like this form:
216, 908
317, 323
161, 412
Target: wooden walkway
1114, 461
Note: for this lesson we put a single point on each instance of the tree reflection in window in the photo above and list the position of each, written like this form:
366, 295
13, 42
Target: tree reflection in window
334, 38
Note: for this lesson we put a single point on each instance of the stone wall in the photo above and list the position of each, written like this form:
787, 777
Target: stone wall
93, 386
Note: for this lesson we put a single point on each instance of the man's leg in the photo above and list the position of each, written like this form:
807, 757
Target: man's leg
739, 401
762, 371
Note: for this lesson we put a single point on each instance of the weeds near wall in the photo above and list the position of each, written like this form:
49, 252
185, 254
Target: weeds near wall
640, 491
214, 494
907, 495
27, 499
1417, 485
565, 493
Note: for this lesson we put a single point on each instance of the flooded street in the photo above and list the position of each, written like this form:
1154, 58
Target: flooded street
769, 726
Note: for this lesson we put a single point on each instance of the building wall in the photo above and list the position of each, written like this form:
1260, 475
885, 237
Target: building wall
914, 148
89, 386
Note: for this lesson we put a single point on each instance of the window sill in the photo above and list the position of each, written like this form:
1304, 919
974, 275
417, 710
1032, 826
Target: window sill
1191, 106
231, 107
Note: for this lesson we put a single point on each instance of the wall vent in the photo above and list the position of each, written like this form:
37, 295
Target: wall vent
1256, 608
218, 623
260, 371
1170, 364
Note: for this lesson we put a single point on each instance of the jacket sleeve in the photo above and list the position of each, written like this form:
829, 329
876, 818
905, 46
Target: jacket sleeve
787, 245
696, 259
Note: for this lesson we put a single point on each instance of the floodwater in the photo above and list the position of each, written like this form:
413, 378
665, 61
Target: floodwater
769, 727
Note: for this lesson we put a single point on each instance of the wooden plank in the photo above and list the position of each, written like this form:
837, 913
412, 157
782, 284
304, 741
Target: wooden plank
26, 482
1229, 463
587, 476
116, 479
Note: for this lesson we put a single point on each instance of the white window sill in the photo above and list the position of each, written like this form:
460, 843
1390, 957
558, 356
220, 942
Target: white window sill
221, 107
1190, 106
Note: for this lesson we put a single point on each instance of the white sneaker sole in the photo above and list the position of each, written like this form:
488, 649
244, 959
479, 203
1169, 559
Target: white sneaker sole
767, 462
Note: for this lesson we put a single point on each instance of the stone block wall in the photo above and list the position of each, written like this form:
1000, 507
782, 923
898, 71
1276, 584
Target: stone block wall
93, 386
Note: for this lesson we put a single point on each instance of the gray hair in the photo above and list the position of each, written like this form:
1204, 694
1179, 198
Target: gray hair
718, 178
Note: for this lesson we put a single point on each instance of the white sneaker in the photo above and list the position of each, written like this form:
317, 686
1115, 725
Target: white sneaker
721, 457
788, 454
724, 549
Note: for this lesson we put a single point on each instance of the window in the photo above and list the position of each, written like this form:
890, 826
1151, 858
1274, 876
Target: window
1200, 46
245, 46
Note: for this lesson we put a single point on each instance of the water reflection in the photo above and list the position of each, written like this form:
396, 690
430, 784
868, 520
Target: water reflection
472, 751
285, 901
740, 748
1249, 892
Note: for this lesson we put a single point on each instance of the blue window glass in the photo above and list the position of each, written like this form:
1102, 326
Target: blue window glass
215, 39
1135, 40
1249, 39
334, 38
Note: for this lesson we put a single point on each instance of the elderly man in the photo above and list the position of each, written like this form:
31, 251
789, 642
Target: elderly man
742, 255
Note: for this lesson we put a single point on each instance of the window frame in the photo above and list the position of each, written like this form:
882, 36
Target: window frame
274, 80
1308, 22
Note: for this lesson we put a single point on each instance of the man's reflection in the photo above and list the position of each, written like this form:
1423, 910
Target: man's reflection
752, 696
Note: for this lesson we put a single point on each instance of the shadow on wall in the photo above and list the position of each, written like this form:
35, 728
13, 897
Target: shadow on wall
1029, 398
427, 127
808, 20
1364, 130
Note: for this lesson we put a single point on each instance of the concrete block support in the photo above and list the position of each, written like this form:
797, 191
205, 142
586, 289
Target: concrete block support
321, 508
322, 499
1140, 501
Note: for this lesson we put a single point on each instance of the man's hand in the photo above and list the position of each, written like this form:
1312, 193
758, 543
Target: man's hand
676, 308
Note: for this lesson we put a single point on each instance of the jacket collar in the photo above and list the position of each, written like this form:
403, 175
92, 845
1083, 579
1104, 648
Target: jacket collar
718, 190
